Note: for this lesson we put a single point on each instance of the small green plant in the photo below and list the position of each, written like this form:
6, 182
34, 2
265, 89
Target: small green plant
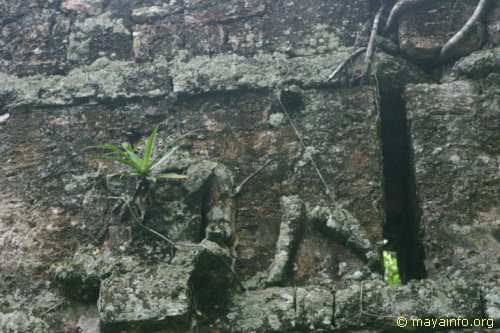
146, 170
391, 271
142, 165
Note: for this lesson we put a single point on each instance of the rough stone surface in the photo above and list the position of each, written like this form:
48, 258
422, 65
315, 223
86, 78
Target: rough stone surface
314, 308
455, 134
477, 65
268, 310
492, 308
292, 216
99, 36
241, 88
494, 25
146, 295
381, 304
281, 310
17, 322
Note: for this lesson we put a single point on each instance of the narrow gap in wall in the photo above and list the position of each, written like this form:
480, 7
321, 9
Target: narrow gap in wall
401, 228
205, 206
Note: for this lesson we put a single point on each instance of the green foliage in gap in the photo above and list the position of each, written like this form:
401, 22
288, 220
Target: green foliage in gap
140, 164
391, 271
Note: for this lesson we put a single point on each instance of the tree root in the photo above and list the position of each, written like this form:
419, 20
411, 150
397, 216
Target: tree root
345, 62
400, 7
466, 29
371, 44
238, 188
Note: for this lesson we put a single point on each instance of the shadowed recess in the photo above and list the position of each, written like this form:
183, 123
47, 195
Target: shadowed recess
401, 227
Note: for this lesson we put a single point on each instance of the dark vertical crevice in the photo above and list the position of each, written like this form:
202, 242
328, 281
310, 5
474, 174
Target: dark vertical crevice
401, 227
205, 207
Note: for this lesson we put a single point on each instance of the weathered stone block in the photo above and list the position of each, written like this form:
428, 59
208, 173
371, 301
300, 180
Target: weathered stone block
160, 296
85, 7
34, 44
479, 64
314, 308
104, 79
382, 304
201, 11
162, 37
148, 297
155, 12
316, 26
281, 310
268, 310
455, 133
292, 218
100, 36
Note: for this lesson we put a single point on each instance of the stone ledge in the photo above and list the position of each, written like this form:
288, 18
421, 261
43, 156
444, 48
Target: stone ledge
106, 80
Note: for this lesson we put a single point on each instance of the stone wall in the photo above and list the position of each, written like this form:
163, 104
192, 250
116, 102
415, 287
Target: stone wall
293, 183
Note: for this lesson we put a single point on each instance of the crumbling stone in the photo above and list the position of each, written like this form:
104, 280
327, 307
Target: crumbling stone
292, 216
281, 310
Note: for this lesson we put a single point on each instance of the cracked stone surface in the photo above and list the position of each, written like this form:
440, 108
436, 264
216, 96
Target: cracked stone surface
454, 129
208, 75
281, 309
420, 299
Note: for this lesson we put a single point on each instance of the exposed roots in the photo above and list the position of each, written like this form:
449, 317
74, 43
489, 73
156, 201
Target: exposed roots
399, 8
466, 29
371, 43
345, 62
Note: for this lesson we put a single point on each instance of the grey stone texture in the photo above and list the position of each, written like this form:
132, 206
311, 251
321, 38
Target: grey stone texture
274, 231
454, 128
292, 218
281, 309
372, 304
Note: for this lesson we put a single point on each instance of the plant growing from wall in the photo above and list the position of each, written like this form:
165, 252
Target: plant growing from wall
145, 168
